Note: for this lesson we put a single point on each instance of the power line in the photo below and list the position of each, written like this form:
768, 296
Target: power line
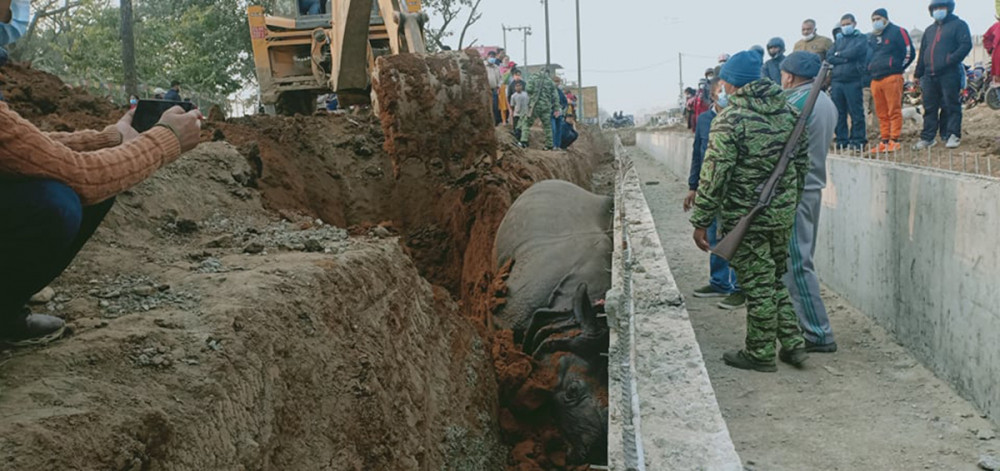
638, 69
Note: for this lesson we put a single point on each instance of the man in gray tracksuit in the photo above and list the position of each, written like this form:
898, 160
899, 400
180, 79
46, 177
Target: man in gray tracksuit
798, 73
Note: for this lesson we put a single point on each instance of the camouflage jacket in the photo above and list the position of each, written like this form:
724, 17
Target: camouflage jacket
542, 91
744, 146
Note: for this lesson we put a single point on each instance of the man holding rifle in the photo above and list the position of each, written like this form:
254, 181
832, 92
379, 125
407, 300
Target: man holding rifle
746, 144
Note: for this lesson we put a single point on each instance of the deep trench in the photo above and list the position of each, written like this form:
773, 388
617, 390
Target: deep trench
447, 215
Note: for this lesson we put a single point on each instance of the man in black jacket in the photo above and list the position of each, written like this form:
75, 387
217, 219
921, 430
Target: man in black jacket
772, 68
849, 57
945, 45
892, 54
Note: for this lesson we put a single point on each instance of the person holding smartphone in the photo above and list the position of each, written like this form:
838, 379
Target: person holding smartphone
56, 188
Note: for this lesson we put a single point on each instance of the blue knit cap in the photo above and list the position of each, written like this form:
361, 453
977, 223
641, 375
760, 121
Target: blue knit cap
742, 68
802, 64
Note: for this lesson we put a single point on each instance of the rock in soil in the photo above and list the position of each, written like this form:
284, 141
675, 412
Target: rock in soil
43, 296
989, 462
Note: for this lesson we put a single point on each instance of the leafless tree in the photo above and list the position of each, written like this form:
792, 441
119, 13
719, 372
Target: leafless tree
448, 12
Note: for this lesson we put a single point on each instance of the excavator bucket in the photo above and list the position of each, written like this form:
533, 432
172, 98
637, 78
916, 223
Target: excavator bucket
435, 107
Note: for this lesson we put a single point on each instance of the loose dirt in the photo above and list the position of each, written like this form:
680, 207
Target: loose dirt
869, 406
285, 300
52, 105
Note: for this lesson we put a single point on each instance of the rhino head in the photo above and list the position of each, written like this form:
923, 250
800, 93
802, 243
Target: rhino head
573, 343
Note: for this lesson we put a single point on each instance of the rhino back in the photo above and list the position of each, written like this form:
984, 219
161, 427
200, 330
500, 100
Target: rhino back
559, 236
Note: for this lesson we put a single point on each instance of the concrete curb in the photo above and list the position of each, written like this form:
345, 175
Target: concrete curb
663, 414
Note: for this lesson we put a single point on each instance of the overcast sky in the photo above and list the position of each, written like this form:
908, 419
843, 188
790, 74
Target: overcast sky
630, 46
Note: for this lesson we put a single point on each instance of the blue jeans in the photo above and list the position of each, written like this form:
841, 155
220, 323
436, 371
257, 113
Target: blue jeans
310, 7
44, 227
850, 100
557, 131
723, 277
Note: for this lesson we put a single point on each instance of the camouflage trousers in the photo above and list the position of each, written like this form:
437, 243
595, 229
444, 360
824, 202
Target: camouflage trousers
546, 117
760, 263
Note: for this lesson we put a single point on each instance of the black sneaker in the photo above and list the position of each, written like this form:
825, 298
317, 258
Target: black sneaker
794, 357
32, 329
818, 348
740, 359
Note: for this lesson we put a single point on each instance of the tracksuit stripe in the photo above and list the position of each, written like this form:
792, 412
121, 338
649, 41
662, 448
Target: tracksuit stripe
804, 294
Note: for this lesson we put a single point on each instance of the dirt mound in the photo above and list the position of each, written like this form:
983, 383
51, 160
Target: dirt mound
193, 350
52, 105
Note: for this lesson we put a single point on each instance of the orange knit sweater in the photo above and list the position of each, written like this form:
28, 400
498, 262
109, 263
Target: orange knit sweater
95, 164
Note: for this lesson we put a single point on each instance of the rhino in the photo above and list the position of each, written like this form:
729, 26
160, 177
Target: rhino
558, 238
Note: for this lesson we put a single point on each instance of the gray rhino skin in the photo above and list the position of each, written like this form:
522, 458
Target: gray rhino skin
559, 236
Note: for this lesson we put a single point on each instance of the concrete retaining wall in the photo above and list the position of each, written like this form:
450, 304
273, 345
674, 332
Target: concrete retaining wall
663, 411
918, 250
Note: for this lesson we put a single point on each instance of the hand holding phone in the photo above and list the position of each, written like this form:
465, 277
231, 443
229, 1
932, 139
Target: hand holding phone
148, 112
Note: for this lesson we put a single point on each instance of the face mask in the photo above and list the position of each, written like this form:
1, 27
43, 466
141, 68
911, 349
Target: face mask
723, 100
878, 25
848, 30
810, 37
133, 102
940, 15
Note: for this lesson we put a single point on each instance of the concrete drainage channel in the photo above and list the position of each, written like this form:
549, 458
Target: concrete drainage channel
663, 412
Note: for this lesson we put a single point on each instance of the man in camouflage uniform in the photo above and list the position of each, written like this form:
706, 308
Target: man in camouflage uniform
745, 145
544, 105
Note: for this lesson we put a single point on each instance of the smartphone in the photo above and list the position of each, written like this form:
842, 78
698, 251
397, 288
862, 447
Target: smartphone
148, 112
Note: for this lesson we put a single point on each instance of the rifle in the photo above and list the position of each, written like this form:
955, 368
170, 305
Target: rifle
726, 248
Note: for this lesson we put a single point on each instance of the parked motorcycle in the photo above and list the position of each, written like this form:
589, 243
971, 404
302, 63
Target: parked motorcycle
977, 86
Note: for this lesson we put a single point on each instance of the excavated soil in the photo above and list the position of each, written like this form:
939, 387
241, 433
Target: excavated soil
52, 105
286, 300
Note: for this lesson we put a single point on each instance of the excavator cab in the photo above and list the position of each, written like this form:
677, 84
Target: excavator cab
305, 48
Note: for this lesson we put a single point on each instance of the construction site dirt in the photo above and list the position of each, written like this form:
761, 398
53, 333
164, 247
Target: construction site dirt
286, 296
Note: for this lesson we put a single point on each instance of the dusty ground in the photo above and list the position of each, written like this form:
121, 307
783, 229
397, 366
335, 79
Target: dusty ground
869, 406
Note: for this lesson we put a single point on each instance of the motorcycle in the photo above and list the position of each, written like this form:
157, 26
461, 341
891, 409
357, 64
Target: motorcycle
977, 86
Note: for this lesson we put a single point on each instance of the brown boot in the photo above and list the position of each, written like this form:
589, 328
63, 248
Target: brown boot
740, 359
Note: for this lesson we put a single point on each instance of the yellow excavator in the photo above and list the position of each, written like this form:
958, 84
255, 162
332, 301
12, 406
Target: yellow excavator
306, 48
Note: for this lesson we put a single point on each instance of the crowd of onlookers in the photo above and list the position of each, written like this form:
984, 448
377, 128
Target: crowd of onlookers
868, 75
519, 101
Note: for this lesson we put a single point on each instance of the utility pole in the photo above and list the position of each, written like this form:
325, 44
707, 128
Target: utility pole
504, 28
548, 49
680, 68
579, 65
527, 32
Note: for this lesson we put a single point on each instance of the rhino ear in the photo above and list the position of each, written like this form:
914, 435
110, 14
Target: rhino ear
583, 309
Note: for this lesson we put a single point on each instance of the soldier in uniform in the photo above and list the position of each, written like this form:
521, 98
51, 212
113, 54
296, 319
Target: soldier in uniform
543, 105
745, 144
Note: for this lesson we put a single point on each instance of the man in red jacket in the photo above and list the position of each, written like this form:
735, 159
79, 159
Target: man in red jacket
992, 42
892, 53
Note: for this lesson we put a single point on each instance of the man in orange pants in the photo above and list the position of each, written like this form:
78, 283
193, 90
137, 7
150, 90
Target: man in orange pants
892, 54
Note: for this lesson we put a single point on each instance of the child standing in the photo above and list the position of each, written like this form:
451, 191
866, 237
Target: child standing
519, 103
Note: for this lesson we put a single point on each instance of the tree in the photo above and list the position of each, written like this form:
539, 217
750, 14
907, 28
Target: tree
128, 48
449, 12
